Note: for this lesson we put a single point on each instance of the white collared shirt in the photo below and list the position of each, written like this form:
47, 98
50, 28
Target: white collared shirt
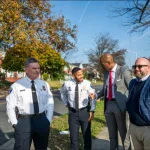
84, 89
21, 97
113, 81
143, 79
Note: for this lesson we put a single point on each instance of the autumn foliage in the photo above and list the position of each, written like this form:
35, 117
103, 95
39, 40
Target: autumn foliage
29, 28
50, 60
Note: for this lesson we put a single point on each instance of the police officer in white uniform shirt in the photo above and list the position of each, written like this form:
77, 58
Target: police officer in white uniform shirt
75, 95
34, 102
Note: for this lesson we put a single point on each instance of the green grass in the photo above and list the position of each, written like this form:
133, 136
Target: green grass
62, 142
55, 84
97, 83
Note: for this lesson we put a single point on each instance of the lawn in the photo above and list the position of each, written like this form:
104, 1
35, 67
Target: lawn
97, 83
53, 84
57, 84
61, 142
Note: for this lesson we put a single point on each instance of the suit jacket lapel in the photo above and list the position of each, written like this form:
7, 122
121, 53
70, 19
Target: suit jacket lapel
117, 73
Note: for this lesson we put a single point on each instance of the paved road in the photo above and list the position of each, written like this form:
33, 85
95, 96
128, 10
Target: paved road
6, 131
5, 128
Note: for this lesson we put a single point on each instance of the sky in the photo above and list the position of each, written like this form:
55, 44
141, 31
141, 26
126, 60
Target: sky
93, 18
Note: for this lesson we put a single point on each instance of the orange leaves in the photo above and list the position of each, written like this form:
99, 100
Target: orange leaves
32, 21
27, 28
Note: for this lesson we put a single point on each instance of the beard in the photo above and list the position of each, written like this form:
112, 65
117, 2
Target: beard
139, 74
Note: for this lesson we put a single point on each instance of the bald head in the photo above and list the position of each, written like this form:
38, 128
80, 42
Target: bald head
141, 67
107, 61
107, 58
143, 60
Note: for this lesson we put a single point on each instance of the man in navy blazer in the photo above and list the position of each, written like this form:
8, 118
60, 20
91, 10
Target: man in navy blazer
138, 104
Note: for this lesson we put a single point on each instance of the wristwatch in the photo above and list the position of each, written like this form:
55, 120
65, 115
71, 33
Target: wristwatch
14, 126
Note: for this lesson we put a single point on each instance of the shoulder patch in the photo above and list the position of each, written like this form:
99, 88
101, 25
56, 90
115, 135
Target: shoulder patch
10, 90
44, 88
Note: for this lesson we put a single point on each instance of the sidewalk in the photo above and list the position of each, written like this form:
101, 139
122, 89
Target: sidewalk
100, 143
102, 140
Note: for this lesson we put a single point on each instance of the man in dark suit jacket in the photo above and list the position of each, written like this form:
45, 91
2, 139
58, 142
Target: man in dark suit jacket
115, 91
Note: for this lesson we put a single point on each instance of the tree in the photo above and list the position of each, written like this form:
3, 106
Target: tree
105, 44
138, 13
50, 60
32, 20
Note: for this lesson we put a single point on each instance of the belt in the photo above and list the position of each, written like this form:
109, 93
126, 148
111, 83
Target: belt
74, 110
30, 115
113, 99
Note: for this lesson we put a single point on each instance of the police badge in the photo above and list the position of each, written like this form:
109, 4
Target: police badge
43, 87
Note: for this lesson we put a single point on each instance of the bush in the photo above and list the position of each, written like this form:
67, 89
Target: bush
45, 76
5, 84
57, 76
2, 76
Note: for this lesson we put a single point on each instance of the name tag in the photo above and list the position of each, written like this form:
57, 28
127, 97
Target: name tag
22, 90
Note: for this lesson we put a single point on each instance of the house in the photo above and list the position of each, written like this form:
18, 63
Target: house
9, 76
67, 69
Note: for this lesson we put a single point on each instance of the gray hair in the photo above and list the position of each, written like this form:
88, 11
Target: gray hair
29, 61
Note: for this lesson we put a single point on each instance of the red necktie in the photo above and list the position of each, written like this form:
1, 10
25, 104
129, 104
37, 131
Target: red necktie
110, 86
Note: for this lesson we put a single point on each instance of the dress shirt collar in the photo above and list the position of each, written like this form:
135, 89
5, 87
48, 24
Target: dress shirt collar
114, 68
76, 81
143, 79
29, 80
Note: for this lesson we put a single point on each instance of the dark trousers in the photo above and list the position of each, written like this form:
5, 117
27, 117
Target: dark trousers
116, 121
28, 129
77, 120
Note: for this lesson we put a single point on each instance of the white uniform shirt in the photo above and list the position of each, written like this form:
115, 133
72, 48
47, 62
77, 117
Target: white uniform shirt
21, 97
113, 81
68, 94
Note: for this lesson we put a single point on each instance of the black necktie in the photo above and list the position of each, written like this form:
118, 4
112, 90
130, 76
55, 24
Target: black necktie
34, 96
76, 97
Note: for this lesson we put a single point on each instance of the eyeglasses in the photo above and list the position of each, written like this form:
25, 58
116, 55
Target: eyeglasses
139, 66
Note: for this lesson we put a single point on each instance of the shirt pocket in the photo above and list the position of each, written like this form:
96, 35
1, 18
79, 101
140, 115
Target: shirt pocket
71, 95
23, 99
43, 97
84, 94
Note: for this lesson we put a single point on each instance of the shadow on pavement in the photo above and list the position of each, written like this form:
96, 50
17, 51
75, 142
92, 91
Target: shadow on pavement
57, 114
101, 144
4, 137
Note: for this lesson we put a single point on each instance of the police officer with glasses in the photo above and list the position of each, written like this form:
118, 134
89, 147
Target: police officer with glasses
34, 102
75, 95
